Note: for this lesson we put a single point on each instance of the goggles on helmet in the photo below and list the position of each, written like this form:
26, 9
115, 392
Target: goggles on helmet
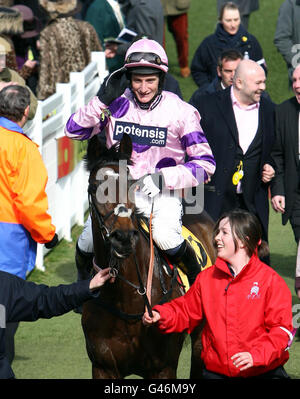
149, 57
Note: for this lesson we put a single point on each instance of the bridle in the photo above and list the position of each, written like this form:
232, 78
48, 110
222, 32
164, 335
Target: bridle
120, 210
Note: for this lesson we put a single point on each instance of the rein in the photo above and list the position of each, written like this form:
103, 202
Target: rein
136, 316
151, 263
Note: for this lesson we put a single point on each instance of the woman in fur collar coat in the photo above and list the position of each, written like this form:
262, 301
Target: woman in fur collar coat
66, 44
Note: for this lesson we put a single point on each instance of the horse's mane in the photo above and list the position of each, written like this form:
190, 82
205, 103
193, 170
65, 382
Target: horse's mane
98, 154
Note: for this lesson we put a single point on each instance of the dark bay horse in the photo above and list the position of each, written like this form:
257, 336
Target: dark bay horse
117, 342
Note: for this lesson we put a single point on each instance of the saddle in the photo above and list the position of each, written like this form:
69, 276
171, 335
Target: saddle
202, 256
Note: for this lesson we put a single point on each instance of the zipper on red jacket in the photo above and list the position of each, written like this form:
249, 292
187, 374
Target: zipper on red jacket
226, 288
232, 274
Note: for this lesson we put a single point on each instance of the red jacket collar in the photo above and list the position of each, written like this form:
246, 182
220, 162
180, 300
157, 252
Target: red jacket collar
224, 267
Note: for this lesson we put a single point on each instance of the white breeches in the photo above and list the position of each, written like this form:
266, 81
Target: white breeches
166, 219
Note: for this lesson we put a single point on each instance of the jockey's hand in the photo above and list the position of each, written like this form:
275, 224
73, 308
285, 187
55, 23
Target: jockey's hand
152, 184
52, 243
147, 320
113, 86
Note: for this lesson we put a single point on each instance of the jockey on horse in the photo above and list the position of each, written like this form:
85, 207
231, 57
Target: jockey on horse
170, 151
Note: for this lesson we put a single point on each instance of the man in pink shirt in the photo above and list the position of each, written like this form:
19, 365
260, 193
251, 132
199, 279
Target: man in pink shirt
239, 126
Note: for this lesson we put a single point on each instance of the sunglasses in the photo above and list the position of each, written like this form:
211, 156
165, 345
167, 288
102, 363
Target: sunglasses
150, 57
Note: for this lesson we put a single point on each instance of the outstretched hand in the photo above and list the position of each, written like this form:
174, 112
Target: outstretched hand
100, 279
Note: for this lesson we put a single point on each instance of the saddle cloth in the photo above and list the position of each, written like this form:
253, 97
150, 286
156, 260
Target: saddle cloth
200, 252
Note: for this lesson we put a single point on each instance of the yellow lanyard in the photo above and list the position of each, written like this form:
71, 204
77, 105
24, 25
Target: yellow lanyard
30, 55
238, 175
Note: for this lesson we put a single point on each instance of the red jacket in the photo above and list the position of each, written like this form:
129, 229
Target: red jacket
249, 313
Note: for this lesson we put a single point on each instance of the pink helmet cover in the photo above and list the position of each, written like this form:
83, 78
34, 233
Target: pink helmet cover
149, 48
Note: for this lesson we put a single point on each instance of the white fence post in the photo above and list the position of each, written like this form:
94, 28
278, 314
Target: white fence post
99, 58
33, 128
63, 185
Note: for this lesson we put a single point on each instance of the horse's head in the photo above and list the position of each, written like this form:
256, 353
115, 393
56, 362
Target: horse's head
112, 209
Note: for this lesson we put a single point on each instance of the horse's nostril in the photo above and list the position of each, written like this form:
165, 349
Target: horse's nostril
133, 233
118, 235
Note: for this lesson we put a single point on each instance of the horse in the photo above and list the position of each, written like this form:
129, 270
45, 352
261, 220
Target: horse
117, 342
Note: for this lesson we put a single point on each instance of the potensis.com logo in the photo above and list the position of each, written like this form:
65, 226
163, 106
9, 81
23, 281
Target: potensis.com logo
296, 315
141, 134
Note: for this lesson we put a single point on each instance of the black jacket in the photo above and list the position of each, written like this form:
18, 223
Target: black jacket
286, 154
219, 126
22, 300
211, 88
204, 63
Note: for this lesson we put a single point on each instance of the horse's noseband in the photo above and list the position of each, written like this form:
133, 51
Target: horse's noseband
119, 211
123, 212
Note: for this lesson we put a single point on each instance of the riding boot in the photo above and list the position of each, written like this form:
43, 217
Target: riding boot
186, 259
84, 265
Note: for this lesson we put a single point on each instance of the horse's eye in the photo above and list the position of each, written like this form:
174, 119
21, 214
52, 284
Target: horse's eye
92, 188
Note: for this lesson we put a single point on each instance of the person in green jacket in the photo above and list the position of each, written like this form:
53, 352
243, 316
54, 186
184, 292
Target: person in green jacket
105, 16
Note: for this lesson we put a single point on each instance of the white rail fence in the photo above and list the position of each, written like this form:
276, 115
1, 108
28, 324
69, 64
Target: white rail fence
67, 195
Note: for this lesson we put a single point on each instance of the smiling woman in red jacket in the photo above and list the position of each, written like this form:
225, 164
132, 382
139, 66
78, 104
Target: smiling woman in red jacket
246, 306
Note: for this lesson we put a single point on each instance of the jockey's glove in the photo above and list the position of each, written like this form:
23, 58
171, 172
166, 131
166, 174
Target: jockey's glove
113, 86
52, 243
153, 184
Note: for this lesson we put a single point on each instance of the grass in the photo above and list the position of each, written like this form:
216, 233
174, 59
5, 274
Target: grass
55, 348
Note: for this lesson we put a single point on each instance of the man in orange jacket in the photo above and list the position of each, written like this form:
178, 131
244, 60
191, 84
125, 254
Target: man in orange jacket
24, 220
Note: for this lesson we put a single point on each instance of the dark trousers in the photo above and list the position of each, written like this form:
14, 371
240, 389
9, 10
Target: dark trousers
10, 331
295, 217
178, 27
276, 374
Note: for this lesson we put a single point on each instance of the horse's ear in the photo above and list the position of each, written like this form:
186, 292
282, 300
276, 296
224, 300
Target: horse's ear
95, 150
126, 145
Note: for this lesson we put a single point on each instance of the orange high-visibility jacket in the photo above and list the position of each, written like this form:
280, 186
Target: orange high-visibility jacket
24, 220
